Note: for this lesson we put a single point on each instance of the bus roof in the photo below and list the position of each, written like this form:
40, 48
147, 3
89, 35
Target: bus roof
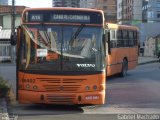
117, 26
64, 8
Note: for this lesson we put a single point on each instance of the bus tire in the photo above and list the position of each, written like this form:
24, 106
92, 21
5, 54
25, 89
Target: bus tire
124, 68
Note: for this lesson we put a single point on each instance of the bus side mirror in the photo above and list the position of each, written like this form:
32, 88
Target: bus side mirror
13, 39
104, 43
109, 43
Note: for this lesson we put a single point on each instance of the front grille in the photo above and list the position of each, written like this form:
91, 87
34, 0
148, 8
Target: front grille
49, 80
61, 85
66, 88
72, 80
60, 99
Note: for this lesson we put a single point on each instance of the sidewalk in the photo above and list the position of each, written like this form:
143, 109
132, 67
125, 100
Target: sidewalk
146, 60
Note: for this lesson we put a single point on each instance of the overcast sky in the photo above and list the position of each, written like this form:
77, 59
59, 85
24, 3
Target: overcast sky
34, 3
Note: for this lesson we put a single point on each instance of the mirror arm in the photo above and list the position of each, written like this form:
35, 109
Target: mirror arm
109, 43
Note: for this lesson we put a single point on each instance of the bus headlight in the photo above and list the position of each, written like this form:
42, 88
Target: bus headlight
28, 86
87, 88
35, 87
95, 87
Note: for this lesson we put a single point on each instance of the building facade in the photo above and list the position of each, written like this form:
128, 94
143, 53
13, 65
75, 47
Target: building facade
148, 30
110, 9
149, 48
3, 2
88, 3
5, 15
152, 46
153, 11
119, 10
129, 11
108, 6
7, 52
145, 10
65, 3
5, 46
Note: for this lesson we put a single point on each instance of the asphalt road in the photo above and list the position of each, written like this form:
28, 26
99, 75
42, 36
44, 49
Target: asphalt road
140, 89
136, 93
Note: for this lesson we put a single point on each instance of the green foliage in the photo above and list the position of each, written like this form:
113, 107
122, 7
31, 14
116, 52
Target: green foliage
4, 87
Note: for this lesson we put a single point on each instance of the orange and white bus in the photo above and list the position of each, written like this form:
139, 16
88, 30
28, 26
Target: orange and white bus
123, 49
61, 56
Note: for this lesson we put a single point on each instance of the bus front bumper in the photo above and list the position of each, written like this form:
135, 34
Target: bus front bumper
27, 97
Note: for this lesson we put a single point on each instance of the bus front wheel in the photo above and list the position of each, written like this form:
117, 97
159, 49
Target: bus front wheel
124, 68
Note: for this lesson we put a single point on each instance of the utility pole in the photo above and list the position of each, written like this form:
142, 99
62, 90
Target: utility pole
13, 18
13, 31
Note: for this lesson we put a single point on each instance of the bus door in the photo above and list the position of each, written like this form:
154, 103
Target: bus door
112, 52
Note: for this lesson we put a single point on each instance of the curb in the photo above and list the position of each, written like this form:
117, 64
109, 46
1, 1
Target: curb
148, 62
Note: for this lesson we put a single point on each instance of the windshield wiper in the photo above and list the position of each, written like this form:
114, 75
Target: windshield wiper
75, 35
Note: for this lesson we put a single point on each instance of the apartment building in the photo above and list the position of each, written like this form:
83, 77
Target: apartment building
65, 3
153, 11
110, 9
108, 6
119, 10
129, 11
145, 11
88, 3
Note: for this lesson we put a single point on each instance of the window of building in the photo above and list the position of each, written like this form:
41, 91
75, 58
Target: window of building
158, 4
151, 14
158, 15
104, 7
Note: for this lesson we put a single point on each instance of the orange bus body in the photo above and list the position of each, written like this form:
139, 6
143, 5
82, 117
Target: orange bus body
115, 60
69, 88
118, 54
59, 89
50, 90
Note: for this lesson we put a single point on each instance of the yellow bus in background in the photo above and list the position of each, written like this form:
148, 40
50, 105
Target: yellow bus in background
123, 49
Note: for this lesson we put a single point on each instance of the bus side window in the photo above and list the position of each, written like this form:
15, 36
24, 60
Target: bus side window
131, 38
119, 38
125, 38
135, 36
113, 39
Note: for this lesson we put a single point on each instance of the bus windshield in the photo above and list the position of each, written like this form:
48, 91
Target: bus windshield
62, 48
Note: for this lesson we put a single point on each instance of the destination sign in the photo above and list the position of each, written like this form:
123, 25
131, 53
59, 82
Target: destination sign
68, 16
